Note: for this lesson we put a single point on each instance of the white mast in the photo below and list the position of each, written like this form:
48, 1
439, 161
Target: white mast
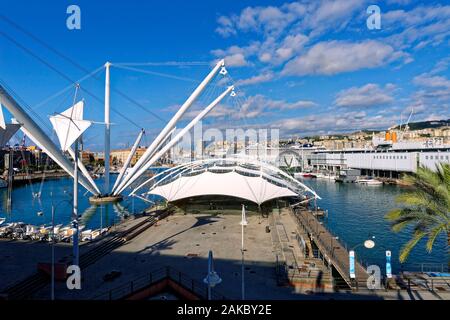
172, 142
129, 158
163, 134
76, 257
107, 128
83, 170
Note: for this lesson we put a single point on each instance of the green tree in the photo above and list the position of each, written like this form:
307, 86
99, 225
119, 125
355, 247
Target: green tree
425, 207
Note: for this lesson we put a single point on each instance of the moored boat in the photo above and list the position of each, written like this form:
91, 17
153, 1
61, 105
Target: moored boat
369, 182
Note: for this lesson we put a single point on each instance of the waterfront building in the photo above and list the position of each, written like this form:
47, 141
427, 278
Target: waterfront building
389, 163
119, 156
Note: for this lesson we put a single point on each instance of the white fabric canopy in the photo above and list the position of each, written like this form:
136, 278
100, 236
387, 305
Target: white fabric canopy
69, 125
7, 132
233, 184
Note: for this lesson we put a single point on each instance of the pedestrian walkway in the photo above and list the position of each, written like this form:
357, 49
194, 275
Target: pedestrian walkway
334, 252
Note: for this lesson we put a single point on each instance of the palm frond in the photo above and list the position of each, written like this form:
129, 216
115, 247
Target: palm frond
433, 235
426, 207
406, 250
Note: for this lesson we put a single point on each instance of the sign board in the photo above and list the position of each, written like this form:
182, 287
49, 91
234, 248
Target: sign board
351, 256
388, 264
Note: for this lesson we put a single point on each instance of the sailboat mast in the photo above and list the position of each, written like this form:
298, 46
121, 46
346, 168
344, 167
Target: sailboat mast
107, 128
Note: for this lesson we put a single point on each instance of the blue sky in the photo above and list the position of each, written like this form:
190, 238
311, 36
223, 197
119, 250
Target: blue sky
306, 67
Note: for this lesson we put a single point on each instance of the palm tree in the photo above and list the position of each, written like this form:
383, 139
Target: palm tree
426, 207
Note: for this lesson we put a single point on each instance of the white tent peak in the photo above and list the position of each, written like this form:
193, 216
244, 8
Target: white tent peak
75, 112
69, 125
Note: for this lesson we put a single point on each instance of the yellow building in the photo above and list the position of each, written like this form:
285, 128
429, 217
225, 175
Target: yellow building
87, 156
119, 157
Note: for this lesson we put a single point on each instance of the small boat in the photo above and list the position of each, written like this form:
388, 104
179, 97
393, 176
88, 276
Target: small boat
2, 220
369, 182
304, 175
57, 228
86, 235
98, 232
31, 230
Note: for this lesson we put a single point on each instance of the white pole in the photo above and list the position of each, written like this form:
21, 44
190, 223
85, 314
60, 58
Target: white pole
53, 250
75, 207
168, 128
172, 142
243, 223
129, 158
101, 219
107, 128
242, 236
83, 170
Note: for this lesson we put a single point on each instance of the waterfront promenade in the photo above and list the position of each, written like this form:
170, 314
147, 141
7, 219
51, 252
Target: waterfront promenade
182, 242
333, 252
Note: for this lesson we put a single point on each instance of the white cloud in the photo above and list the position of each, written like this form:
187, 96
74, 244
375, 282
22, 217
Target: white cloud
236, 60
255, 79
334, 123
399, 2
269, 20
259, 105
340, 56
420, 27
370, 95
236, 56
426, 80
315, 16
225, 27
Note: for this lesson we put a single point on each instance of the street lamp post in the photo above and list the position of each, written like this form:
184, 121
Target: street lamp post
332, 247
368, 244
243, 223
53, 246
212, 278
53, 253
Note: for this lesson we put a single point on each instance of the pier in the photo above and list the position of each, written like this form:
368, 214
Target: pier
23, 178
334, 253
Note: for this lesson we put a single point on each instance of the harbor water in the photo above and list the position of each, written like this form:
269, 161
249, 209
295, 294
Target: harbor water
37, 211
356, 213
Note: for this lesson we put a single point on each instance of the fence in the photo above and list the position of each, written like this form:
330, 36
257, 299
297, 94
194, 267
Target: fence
141, 282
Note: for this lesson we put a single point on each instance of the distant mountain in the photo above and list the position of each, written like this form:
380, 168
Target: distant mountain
427, 124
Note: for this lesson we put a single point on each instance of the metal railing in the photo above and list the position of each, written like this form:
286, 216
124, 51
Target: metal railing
143, 281
304, 222
424, 267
